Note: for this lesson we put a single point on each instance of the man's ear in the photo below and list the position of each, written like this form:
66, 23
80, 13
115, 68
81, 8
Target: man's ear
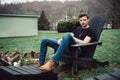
88, 20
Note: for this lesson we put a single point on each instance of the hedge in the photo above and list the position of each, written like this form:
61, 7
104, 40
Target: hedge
68, 26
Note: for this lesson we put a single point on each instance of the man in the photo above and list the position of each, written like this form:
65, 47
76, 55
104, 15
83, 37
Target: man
79, 35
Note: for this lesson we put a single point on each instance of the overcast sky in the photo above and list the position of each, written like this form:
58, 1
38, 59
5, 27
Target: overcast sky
16, 1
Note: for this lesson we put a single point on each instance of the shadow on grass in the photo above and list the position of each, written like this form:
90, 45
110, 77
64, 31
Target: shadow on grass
64, 72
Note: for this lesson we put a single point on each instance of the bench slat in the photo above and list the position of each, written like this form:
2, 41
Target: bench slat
105, 77
116, 74
18, 70
90, 79
25, 73
9, 70
32, 70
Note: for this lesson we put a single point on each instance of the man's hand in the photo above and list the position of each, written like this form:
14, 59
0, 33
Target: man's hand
59, 41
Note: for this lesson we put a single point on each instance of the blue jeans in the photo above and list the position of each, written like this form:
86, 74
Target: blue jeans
67, 40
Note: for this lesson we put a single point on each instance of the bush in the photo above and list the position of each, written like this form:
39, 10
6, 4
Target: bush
68, 26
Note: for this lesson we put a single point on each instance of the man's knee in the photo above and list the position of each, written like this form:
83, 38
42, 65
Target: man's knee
67, 36
44, 40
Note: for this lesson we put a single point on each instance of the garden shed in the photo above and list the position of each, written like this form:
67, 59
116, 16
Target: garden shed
12, 25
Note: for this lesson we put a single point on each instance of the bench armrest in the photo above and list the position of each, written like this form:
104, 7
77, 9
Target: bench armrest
87, 44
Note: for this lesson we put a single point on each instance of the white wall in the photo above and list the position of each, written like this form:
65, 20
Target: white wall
18, 25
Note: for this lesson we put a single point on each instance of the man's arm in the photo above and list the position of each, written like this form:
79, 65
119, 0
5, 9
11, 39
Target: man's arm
86, 40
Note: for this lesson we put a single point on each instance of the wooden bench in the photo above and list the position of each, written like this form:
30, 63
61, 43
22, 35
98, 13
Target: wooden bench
111, 76
25, 73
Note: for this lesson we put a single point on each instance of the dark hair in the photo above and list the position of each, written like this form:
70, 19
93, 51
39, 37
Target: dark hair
83, 14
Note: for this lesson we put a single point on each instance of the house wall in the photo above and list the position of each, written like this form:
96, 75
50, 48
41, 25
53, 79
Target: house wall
18, 25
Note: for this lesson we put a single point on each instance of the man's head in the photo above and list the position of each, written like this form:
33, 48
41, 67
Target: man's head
83, 19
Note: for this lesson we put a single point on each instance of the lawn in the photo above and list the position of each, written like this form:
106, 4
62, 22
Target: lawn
110, 49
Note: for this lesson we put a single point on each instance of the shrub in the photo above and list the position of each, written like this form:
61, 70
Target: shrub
68, 26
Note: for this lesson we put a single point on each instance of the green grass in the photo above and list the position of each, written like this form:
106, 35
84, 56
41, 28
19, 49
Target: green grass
110, 49
25, 44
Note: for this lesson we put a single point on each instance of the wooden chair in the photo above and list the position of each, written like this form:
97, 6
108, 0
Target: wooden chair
86, 59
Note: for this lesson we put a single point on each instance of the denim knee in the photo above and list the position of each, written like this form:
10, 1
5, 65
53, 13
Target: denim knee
67, 36
44, 40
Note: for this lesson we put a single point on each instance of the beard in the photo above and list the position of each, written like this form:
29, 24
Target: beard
84, 25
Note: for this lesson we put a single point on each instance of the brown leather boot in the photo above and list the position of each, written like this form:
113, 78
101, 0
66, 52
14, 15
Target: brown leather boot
48, 67
38, 64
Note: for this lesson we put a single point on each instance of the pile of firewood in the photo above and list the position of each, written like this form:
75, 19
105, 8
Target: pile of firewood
16, 58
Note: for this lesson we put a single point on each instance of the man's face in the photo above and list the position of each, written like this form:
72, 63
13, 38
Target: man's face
83, 21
